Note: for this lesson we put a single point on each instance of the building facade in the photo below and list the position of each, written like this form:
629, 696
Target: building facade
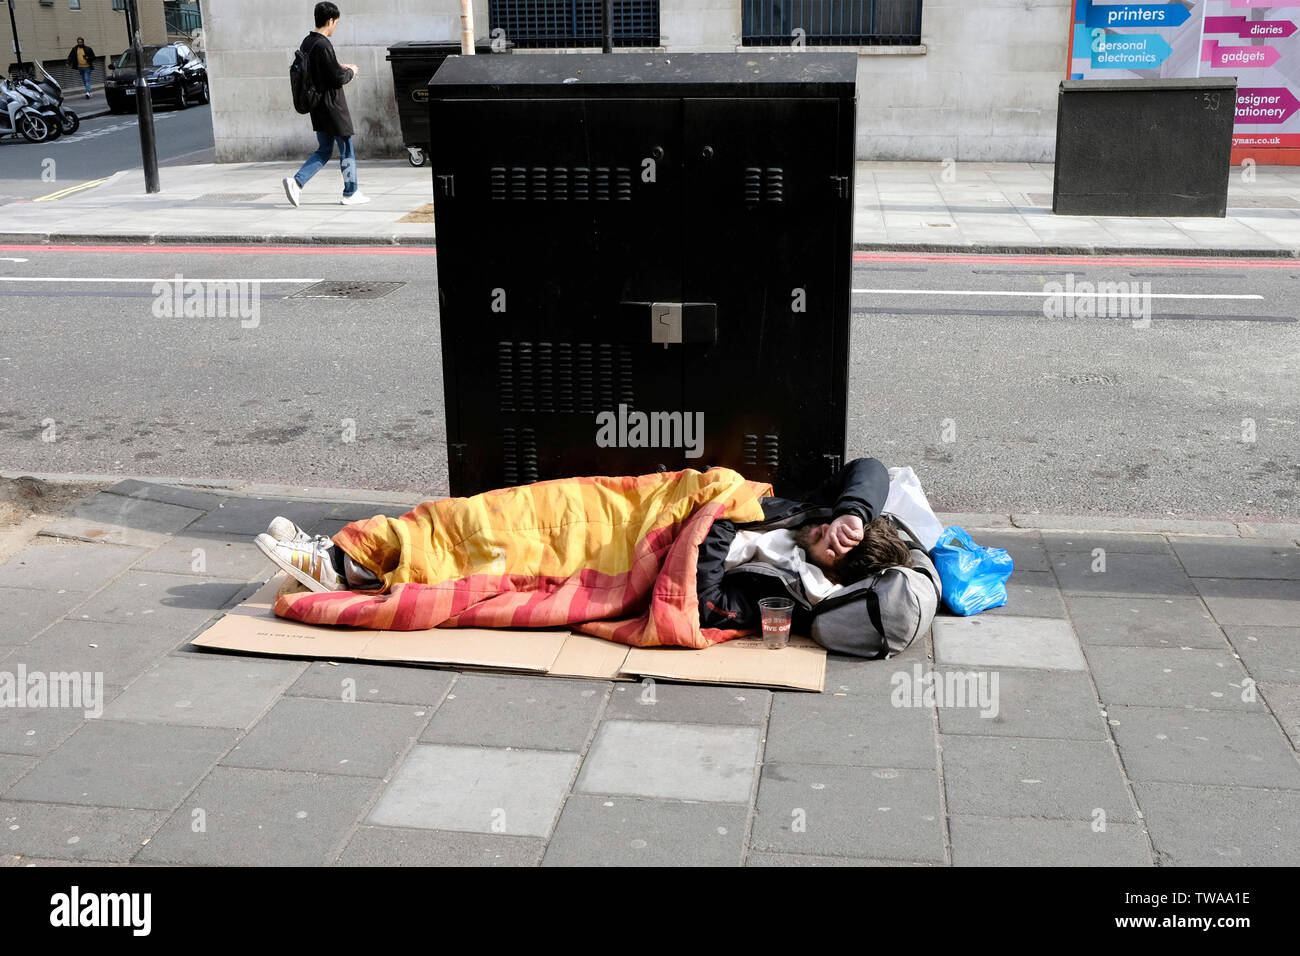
937, 79
48, 29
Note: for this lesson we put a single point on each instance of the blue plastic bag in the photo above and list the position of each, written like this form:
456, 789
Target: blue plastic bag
974, 578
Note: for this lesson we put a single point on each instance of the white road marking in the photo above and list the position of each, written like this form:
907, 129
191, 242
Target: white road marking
1063, 293
82, 135
11, 259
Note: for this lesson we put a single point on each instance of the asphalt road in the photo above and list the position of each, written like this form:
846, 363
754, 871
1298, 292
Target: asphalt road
101, 147
954, 369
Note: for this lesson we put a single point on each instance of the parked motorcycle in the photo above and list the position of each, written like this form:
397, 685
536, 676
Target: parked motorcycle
32, 124
47, 93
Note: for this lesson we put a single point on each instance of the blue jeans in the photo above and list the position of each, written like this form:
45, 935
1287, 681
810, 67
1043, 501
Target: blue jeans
85, 72
347, 161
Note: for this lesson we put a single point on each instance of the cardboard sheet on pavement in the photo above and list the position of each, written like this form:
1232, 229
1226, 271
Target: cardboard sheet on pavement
252, 628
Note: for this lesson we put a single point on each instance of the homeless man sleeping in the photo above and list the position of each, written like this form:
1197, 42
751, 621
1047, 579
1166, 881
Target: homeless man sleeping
678, 558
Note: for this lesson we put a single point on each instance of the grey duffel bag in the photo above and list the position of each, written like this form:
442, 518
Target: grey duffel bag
881, 615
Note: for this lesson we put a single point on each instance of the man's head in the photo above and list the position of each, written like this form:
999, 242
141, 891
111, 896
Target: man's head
880, 547
327, 17
81, 41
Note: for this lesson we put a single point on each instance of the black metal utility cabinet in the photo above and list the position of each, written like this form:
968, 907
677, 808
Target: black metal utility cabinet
1144, 147
636, 233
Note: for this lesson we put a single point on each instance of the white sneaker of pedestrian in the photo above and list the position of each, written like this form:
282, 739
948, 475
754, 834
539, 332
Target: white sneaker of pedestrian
356, 199
292, 189
87, 96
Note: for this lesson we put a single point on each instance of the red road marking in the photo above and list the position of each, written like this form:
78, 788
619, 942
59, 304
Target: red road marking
1100, 261
250, 250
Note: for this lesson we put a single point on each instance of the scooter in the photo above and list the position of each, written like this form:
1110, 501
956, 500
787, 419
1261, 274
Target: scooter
32, 124
48, 95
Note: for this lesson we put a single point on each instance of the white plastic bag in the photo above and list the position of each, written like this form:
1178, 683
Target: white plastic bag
907, 502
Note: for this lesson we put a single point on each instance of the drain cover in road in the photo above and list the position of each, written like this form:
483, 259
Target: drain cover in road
347, 290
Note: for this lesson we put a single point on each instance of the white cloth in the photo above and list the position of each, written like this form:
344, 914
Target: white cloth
778, 548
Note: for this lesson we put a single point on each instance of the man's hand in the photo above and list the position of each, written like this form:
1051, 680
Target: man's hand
352, 67
845, 533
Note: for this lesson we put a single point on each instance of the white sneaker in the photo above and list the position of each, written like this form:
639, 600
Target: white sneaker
87, 96
356, 199
292, 190
307, 561
282, 529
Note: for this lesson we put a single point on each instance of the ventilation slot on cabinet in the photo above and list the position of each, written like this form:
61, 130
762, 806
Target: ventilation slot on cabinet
540, 183
563, 377
764, 185
605, 374
519, 455
586, 379
564, 391
761, 451
774, 187
545, 377
524, 377
506, 376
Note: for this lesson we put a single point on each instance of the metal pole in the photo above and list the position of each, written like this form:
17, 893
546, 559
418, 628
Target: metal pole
18, 48
143, 104
607, 27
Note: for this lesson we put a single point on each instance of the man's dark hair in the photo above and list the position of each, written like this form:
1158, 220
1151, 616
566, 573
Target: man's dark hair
325, 12
81, 41
880, 548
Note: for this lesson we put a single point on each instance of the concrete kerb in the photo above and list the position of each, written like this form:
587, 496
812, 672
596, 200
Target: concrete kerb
213, 239
971, 521
42, 237
1085, 249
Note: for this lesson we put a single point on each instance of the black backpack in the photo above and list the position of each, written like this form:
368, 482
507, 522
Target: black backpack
305, 98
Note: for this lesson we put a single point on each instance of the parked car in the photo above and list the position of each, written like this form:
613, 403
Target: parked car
174, 72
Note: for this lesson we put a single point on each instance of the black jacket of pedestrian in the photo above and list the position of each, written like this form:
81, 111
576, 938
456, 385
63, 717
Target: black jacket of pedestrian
90, 55
729, 599
331, 114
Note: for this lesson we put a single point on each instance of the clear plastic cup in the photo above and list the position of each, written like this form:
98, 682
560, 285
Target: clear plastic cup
776, 612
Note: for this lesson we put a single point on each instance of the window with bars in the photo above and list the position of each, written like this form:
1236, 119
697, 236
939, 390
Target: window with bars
573, 23
831, 22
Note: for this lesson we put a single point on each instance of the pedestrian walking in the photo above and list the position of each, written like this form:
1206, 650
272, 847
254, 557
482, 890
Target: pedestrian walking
83, 58
329, 117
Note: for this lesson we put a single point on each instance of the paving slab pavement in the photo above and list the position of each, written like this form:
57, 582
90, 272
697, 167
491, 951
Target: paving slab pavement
1153, 721
898, 207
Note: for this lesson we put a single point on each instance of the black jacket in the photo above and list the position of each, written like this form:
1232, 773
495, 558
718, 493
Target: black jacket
327, 77
729, 599
90, 55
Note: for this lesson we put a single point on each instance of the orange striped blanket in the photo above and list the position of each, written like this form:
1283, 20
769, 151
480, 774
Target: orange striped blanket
611, 557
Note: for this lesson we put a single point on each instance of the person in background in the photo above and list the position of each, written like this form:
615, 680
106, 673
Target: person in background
83, 58
330, 118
